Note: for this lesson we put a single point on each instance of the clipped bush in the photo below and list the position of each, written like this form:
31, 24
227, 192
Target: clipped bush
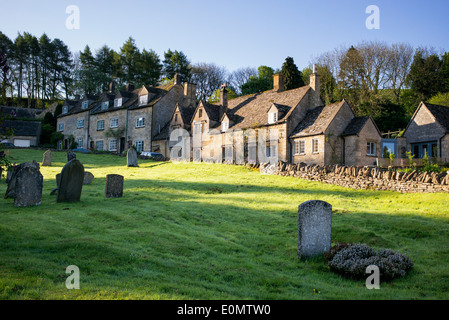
351, 260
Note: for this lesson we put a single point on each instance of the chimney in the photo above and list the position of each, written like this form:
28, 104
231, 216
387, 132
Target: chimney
315, 85
223, 99
130, 87
112, 87
177, 79
278, 82
190, 94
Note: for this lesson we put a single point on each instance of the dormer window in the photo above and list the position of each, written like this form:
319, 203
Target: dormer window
140, 122
143, 100
65, 109
200, 113
224, 126
105, 106
85, 105
272, 117
118, 102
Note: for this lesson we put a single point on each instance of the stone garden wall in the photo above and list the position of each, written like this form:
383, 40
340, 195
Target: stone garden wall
370, 178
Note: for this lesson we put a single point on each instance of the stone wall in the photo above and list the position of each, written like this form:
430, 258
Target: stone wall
369, 178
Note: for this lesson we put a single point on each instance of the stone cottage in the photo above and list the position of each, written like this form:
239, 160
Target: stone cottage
428, 132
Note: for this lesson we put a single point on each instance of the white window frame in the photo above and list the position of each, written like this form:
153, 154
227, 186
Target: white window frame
315, 146
118, 102
300, 147
80, 123
143, 100
272, 117
102, 145
113, 145
140, 145
85, 105
65, 109
371, 149
140, 122
224, 126
114, 123
104, 105
61, 127
80, 145
100, 127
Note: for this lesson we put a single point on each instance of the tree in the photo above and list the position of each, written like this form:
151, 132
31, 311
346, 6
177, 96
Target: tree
150, 68
445, 71
292, 76
130, 55
208, 77
240, 77
263, 81
350, 75
400, 57
177, 62
217, 94
104, 65
5, 48
86, 72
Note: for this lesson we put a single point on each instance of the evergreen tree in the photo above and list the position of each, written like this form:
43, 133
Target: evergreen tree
150, 68
292, 76
177, 62
130, 56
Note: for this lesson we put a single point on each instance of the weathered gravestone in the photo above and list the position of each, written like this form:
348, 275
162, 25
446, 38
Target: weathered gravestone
132, 157
71, 182
25, 184
314, 228
47, 158
114, 186
88, 178
71, 155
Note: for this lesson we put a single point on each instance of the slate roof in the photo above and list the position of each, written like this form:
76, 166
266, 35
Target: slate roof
186, 113
441, 114
23, 128
164, 134
355, 126
17, 112
75, 106
251, 110
317, 120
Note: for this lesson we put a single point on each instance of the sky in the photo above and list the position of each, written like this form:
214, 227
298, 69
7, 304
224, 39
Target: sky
233, 34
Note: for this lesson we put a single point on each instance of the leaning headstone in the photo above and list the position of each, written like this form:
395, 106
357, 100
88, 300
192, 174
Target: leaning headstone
71, 182
114, 186
12, 177
88, 178
28, 187
132, 157
47, 158
71, 155
314, 228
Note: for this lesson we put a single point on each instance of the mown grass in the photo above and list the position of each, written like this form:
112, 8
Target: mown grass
199, 231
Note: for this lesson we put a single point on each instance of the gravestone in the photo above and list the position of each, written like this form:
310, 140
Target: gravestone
114, 186
71, 182
88, 178
71, 155
47, 158
12, 177
132, 157
314, 228
28, 189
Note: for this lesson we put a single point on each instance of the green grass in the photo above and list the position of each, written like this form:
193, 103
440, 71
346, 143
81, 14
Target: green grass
201, 231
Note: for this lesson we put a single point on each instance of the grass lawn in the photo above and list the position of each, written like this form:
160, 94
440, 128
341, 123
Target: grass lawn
202, 231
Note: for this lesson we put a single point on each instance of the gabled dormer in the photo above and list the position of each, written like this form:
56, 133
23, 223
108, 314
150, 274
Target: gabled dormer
146, 95
273, 114
105, 103
87, 101
226, 123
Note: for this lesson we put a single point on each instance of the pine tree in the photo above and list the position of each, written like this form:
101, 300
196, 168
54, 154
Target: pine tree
292, 75
177, 62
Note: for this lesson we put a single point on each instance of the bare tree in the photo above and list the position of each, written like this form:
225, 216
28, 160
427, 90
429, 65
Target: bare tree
400, 60
208, 77
241, 76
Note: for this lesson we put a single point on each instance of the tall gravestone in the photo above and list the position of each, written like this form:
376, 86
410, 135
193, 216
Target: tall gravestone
25, 184
47, 158
314, 228
132, 157
71, 182
114, 186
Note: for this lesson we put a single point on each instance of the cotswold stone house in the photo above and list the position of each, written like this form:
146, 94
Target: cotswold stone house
333, 135
428, 132
116, 120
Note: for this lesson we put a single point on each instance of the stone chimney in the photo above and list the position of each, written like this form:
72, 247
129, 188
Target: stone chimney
223, 99
130, 87
177, 79
190, 94
112, 87
278, 82
315, 85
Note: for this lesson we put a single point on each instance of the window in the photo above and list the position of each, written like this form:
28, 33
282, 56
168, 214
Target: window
113, 145
371, 149
100, 145
315, 148
197, 129
65, 109
140, 122
272, 117
80, 123
176, 117
118, 102
85, 105
300, 147
61, 127
114, 123
105, 106
100, 125
143, 100
200, 113
79, 142
139, 146
225, 126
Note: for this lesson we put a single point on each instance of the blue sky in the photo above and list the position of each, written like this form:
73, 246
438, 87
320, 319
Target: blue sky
231, 33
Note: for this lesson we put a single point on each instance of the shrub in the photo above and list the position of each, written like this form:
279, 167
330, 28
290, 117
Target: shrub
351, 261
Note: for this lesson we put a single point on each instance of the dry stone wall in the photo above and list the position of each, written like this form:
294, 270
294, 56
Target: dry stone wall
368, 178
